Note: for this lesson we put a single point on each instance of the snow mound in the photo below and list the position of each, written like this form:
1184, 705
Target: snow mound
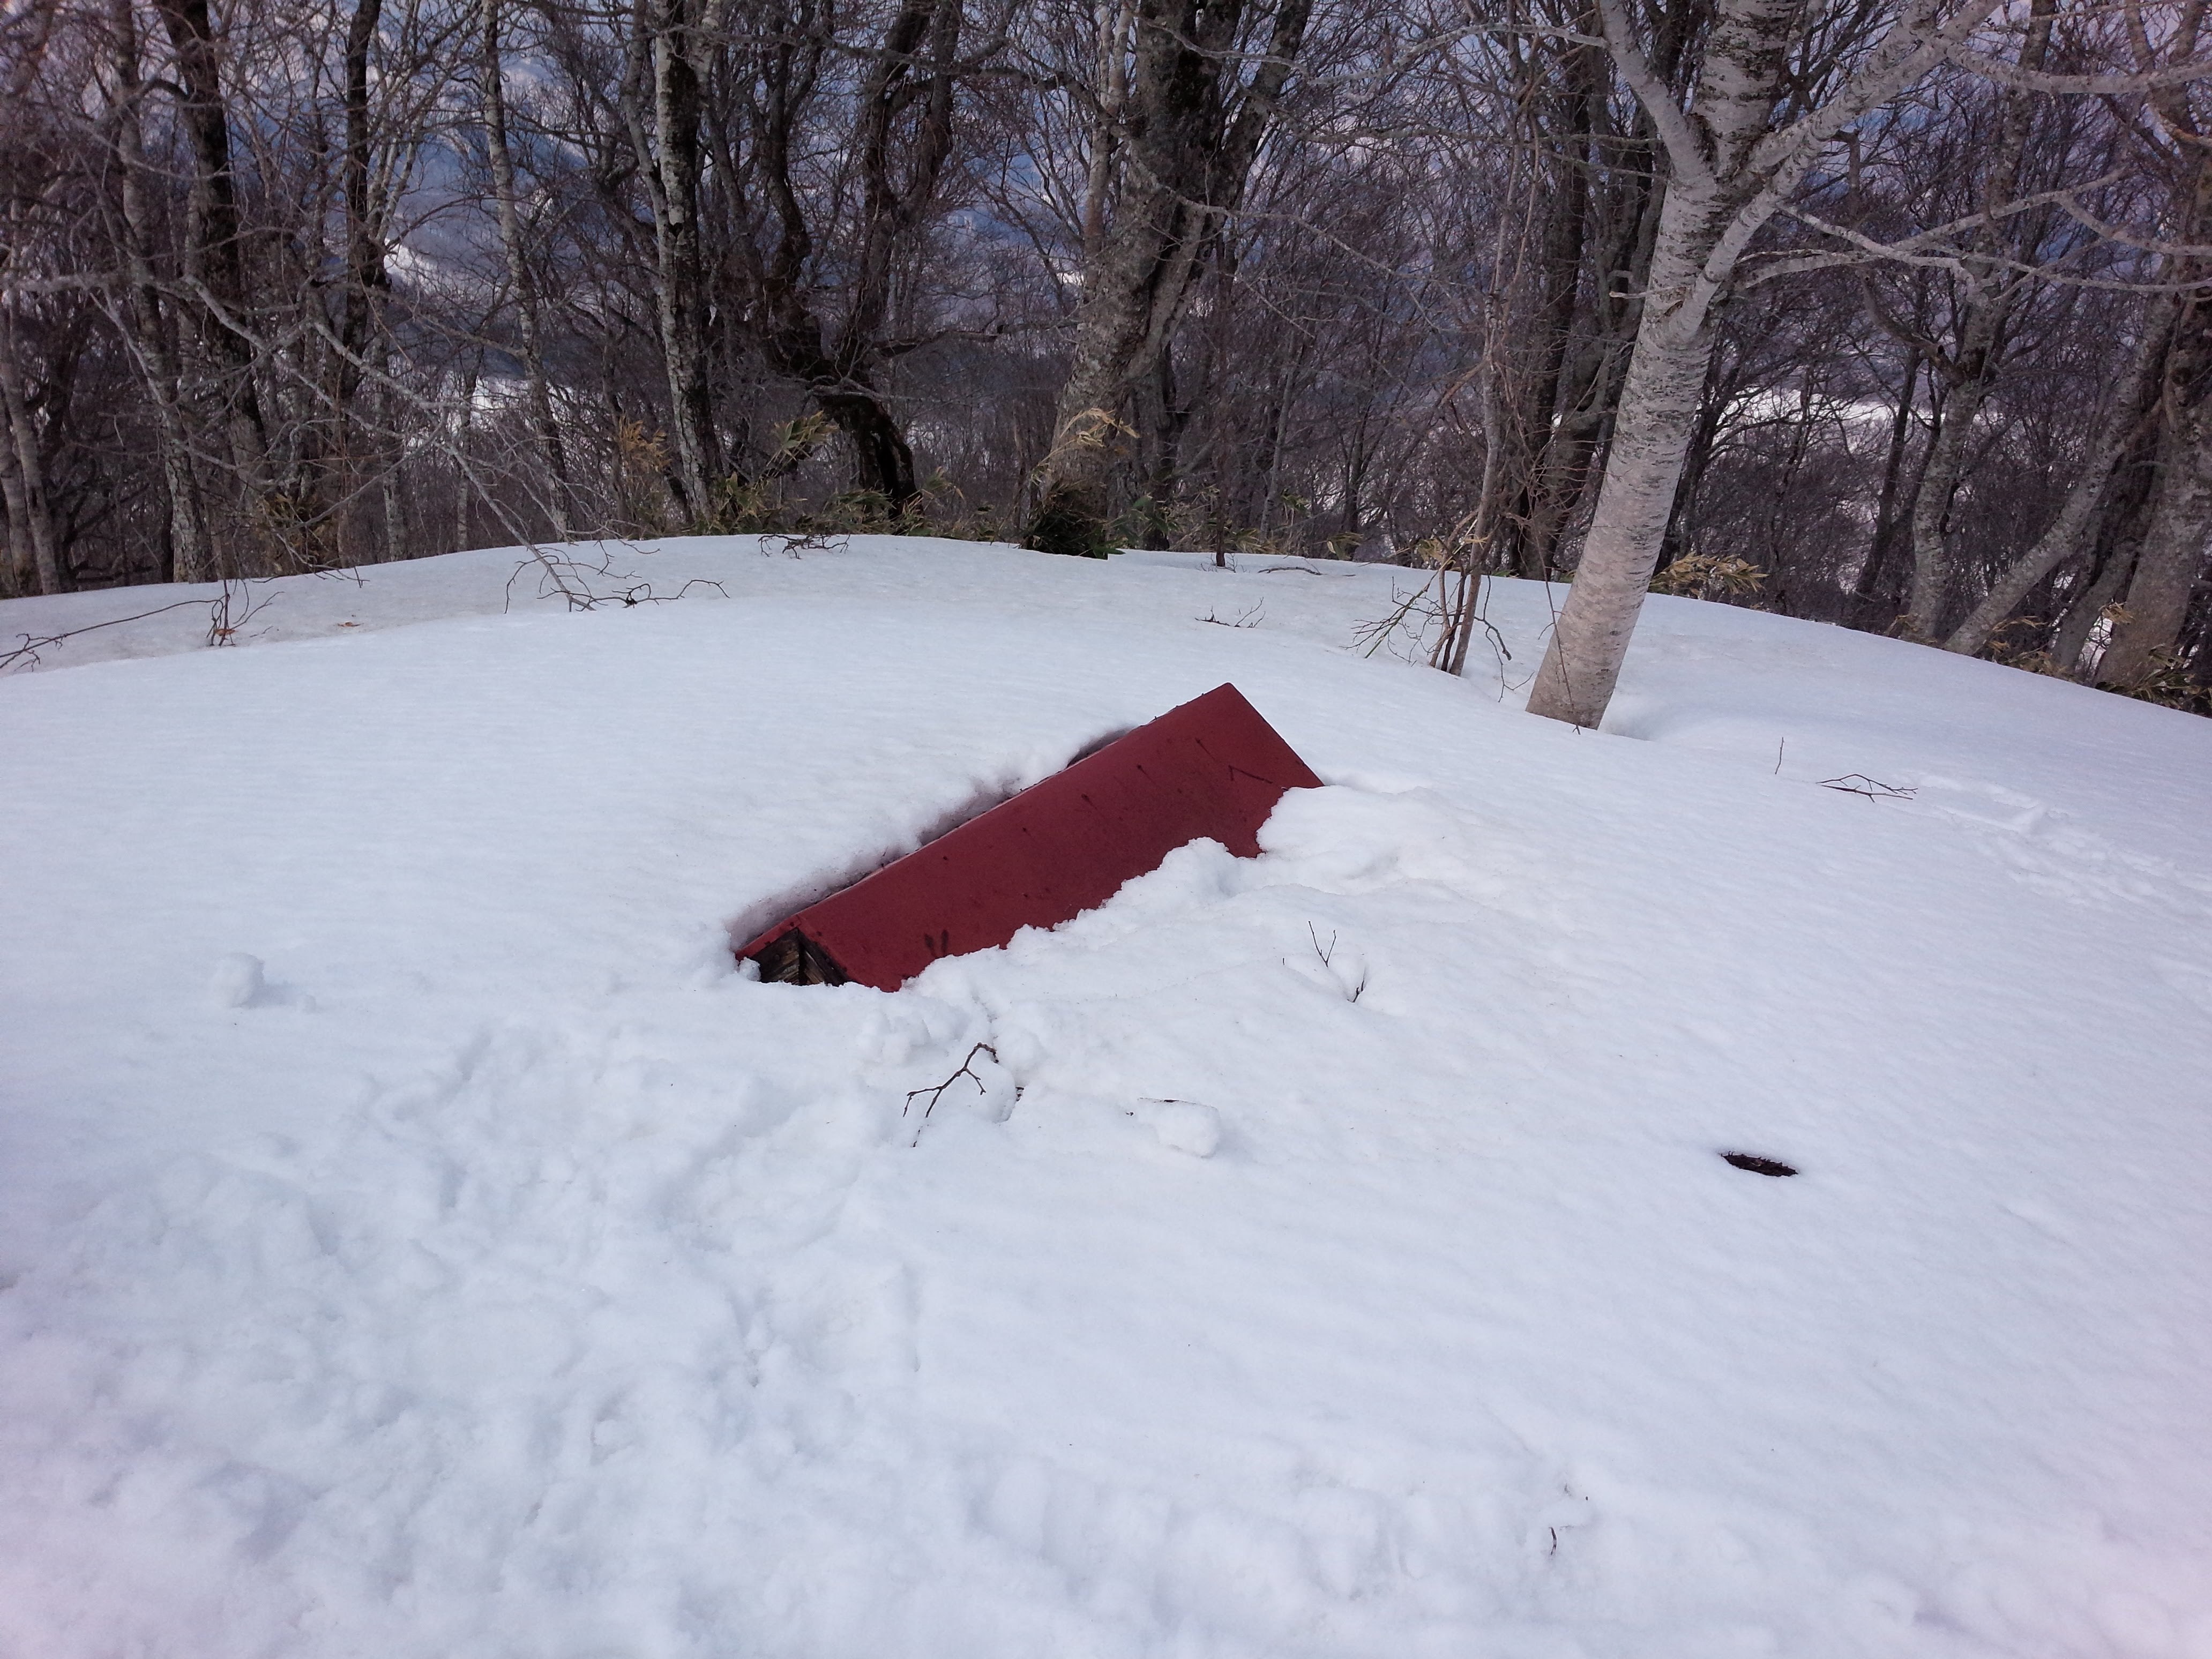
1187, 1126
418, 1238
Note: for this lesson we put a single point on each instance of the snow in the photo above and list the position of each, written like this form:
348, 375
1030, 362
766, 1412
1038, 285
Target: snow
1187, 1126
420, 1239
238, 981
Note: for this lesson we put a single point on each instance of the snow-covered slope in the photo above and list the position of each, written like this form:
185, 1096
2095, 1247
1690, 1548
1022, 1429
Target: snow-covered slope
419, 1240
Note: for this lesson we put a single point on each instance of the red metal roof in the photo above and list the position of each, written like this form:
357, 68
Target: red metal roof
1212, 768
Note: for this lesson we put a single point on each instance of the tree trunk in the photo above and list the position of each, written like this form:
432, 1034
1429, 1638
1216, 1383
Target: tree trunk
1570, 118
915, 68
1188, 156
1161, 418
1728, 175
26, 499
1868, 592
1591, 392
672, 161
1658, 417
214, 253
464, 483
1971, 374
2172, 556
2108, 579
1116, 19
560, 498
1932, 569
192, 554
1663, 389
366, 356
883, 461
901, 137
21, 575
391, 481
2063, 538
1461, 588
365, 275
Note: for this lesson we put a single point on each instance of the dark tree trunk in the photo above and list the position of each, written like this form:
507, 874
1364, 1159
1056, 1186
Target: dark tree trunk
1192, 137
903, 137
1875, 596
189, 553
215, 251
1565, 127
361, 329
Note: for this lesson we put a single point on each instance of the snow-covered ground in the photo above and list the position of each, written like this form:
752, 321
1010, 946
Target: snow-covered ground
419, 1239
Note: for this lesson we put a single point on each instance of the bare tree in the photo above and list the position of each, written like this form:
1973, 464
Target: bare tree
521, 280
1805, 305
1775, 85
1184, 125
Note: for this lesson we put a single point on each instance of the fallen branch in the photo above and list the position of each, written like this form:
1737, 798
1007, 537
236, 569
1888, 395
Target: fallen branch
936, 1094
1857, 783
796, 543
223, 623
28, 653
571, 580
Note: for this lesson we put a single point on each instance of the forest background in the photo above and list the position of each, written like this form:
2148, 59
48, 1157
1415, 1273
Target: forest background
294, 288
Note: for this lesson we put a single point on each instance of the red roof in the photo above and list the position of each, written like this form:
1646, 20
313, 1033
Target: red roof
1211, 768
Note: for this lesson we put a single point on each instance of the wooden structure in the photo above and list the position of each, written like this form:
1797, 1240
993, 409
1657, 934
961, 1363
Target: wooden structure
1210, 768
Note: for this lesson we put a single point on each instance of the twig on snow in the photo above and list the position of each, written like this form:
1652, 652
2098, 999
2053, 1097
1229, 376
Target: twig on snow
1327, 952
224, 620
28, 653
796, 543
937, 1093
571, 579
1858, 783
223, 623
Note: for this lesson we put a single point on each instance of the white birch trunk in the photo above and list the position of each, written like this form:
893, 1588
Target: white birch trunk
1658, 414
1730, 171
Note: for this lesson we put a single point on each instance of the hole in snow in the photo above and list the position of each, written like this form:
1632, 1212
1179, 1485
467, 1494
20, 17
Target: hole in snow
1758, 1165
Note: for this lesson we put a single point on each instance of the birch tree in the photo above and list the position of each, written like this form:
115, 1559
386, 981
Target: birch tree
1777, 84
662, 101
287, 288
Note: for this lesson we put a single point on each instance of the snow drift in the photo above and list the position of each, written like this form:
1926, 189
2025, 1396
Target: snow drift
418, 1238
